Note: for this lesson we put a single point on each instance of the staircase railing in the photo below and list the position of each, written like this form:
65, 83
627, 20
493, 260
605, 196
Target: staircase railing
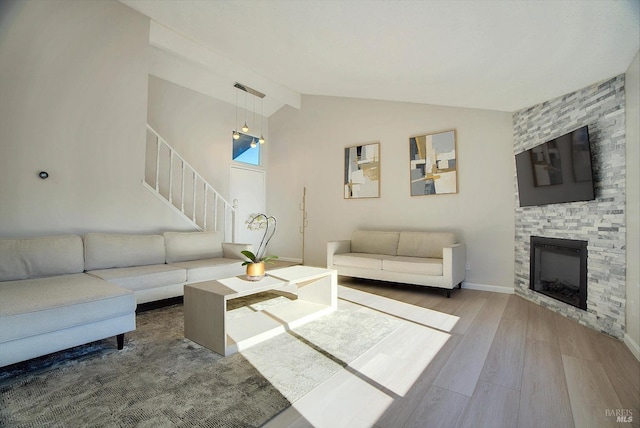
172, 179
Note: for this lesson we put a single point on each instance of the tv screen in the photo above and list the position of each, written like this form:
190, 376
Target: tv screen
556, 171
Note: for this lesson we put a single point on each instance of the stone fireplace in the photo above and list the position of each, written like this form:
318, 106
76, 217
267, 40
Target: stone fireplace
599, 224
558, 269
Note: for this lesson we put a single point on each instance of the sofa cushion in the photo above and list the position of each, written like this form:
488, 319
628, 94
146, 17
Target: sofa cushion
105, 251
42, 305
40, 257
374, 242
234, 251
360, 260
185, 246
415, 265
208, 269
424, 244
143, 277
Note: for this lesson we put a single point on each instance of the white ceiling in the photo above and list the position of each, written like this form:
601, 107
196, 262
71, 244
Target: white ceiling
488, 54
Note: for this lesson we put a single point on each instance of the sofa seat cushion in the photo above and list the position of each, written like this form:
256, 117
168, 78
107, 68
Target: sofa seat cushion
415, 265
37, 306
208, 269
359, 260
143, 277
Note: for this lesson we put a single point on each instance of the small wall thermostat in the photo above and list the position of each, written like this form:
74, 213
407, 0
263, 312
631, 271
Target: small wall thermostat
43, 174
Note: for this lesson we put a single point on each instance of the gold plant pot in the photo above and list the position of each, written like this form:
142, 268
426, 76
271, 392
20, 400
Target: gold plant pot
255, 271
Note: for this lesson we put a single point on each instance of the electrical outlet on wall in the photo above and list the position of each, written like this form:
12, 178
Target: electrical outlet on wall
468, 266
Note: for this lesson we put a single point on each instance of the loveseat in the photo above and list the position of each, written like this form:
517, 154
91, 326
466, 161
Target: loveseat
63, 291
433, 259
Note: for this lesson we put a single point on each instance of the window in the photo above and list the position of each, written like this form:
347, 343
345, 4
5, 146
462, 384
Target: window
243, 152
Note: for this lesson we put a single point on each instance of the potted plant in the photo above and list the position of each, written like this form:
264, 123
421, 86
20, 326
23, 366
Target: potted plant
255, 264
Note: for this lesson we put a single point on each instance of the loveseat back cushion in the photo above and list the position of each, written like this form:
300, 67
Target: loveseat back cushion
40, 257
424, 244
106, 250
374, 242
185, 246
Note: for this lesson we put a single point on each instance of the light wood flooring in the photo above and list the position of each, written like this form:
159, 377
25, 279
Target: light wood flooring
478, 359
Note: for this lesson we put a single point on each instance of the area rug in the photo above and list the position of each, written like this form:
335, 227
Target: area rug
162, 379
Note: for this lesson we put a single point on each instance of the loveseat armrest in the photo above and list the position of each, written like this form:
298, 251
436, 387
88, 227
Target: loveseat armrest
337, 247
454, 260
231, 250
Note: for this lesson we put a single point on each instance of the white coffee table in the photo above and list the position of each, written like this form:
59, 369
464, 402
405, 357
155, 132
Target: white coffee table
205, 307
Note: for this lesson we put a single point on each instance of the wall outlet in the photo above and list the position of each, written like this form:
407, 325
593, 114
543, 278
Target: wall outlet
467, 266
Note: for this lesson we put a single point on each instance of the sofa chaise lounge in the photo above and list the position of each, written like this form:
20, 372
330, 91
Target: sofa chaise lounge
431, 259
63, 291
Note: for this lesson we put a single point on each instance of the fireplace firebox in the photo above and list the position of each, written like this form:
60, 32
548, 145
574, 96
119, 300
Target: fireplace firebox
559, 269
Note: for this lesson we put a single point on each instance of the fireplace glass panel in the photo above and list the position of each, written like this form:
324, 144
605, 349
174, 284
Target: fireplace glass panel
558, 269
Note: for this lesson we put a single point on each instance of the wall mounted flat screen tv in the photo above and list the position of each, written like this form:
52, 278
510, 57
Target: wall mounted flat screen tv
556, 171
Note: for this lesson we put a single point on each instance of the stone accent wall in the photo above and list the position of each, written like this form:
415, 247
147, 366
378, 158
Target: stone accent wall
600, 222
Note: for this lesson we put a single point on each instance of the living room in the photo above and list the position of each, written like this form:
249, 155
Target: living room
77, 88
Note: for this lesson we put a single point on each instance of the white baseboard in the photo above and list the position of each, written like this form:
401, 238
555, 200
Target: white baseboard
484, 287
632, 345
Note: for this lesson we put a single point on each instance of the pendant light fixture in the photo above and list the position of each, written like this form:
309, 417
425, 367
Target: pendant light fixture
245, 128
261, 140
236, 135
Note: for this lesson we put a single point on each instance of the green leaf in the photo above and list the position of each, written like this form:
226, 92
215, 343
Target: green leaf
248, 254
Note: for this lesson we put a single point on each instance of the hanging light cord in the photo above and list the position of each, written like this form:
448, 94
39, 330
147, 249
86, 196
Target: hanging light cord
261, 140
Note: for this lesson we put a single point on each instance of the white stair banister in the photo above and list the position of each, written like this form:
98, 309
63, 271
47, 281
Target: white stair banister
197, 183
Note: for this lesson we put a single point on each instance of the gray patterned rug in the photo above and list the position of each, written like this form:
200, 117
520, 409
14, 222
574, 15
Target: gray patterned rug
161, 379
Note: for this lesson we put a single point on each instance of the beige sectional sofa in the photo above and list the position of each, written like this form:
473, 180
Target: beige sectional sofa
62, 291
433, 259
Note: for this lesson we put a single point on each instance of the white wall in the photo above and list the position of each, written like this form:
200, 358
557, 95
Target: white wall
632, 88
307, 149
73, 85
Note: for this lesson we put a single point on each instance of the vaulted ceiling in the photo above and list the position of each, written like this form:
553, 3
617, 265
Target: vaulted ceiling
494, 54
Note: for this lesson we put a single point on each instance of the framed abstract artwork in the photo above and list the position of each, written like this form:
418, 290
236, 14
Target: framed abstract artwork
434, 164
362, 171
